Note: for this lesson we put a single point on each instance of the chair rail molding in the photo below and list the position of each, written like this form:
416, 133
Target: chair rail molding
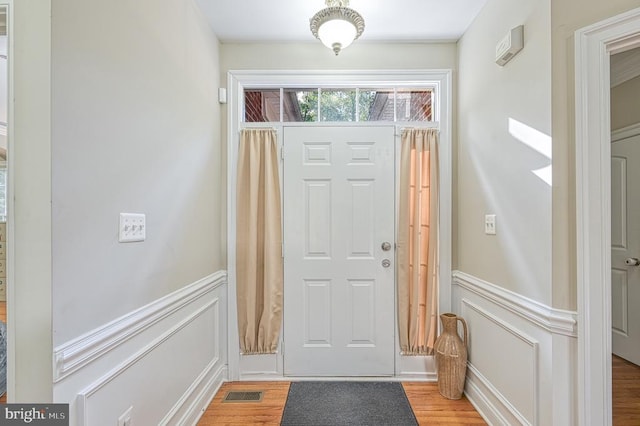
78, 353
625, 132
557, 321
536, 341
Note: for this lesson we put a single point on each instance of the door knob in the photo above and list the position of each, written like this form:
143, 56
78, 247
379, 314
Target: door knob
632, 261
386, 263
386, 246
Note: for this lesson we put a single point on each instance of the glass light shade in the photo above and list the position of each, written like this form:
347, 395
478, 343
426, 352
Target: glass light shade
337, 26
337, 32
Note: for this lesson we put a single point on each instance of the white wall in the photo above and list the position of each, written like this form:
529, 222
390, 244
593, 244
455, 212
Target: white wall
625, 107
136, 129
495, 163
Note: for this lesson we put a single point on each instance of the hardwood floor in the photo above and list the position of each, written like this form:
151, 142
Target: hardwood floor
429, 407
267, 412
626, 392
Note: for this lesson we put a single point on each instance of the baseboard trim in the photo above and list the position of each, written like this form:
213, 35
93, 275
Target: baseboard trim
416, 367
477, 390
197, 398
481, 403
86, 394
554, 320
79, 352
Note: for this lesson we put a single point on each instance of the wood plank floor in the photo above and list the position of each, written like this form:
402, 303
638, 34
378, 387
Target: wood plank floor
626, 392
429, 407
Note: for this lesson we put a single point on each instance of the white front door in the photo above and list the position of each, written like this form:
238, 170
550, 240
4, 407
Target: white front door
339, 293
625, 248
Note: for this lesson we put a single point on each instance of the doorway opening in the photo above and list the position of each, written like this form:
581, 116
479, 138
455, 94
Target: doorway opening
332, 84
625, 234
594, 46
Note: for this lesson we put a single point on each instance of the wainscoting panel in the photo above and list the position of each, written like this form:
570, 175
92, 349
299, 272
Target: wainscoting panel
161, 364
515, 345
495, 347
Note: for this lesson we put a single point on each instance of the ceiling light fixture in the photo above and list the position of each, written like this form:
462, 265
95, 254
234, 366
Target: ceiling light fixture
337, 25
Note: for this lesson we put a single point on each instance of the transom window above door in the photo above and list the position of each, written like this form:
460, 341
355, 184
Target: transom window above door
274, 105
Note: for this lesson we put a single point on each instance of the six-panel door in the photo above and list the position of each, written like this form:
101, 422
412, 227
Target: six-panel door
339, 304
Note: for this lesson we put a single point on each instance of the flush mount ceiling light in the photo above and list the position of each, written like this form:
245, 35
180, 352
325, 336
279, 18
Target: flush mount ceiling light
337, 25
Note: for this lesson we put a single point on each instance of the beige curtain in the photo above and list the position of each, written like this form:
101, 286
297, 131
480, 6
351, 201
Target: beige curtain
418, 241
259, 266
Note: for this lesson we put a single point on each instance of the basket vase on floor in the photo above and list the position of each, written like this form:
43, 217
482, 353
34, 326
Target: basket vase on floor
451, 357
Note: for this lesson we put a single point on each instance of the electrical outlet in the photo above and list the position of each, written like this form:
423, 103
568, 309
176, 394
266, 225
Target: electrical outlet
132, 227
490, 224
125, 418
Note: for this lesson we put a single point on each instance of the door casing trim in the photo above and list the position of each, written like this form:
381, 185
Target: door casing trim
593, 47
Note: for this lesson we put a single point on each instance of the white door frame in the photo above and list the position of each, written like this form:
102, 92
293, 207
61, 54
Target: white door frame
237, 80
593, 47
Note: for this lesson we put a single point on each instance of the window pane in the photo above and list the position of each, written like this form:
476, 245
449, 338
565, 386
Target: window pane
261, 105
414, 105
337, 105
375, 105
300, 105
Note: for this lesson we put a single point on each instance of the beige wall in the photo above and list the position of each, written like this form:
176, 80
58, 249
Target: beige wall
567, 16
625, 104
136, 128
314, 56
29, 257
495, 165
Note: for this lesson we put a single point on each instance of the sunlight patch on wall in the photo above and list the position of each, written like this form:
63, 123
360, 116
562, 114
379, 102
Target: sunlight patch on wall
545, 174
537, 141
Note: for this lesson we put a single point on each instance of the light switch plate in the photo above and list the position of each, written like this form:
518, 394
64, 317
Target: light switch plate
133, 227
490, 224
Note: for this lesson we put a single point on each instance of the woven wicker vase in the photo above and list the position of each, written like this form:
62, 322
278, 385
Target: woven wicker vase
451, 357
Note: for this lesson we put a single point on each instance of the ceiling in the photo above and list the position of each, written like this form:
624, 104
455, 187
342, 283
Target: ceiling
385, 20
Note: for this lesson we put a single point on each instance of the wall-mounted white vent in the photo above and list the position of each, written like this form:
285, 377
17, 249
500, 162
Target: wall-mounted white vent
510, 45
